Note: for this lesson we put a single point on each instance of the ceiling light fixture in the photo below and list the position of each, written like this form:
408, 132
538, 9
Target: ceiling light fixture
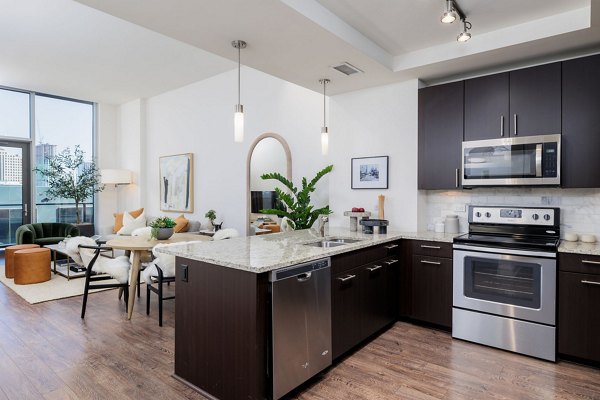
238, 117
449, 15
464, 35
324, 130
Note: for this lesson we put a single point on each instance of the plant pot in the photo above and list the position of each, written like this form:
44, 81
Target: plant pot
164, 233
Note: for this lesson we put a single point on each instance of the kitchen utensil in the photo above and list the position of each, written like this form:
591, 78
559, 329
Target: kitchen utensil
451, 223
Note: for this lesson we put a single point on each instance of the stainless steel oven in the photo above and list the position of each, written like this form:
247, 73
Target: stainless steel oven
528, 160
504, 279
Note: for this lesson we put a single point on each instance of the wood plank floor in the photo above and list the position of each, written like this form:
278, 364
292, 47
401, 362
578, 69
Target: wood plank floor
48, 352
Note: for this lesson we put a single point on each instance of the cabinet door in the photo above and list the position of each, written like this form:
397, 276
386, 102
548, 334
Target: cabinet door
405, 278
486, 107
346, 311
374, 281
535, 100
432, 290
581, 123
440, 136
392, 290
578, 316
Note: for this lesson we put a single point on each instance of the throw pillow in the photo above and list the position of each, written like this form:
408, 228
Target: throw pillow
145, 232
130, 223
119, 218
182, 224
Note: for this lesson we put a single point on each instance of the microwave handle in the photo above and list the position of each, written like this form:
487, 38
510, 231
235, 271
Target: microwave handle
538, 160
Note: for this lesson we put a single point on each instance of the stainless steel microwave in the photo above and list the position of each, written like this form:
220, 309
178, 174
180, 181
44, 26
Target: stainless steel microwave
519, 161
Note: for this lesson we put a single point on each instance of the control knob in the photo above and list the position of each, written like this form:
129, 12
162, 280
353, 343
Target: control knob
535, 217
488, 215
547, 217
478, 214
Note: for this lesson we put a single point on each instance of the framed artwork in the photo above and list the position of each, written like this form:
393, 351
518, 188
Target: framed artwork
370, 172
177, 183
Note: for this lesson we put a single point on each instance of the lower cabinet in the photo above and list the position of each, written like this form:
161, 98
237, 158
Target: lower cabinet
363, 301
432, 290
578, 299
429, 268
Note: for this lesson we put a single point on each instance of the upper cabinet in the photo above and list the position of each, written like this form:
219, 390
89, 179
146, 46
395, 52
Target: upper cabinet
535, 97
525, 102
440, 136
581, 123
486, 107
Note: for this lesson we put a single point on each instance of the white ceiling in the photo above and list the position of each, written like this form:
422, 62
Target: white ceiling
63, 47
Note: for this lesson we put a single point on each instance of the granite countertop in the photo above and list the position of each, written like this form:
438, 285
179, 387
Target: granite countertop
592, 249
265, 253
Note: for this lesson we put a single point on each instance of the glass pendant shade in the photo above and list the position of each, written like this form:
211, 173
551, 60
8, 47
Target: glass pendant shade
324, 141
238, 124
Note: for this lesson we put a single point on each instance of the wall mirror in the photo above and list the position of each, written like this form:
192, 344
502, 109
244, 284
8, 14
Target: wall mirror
268, 153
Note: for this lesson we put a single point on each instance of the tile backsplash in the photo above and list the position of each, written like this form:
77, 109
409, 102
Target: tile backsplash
579, 208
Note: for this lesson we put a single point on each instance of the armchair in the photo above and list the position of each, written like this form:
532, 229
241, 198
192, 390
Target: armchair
45, 233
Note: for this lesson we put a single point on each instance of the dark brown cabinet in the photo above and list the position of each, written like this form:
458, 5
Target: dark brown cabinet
581, 123
363, 298
440, 136
346, 307
431, 282
524, 102
535, 100
486, 107
578, 298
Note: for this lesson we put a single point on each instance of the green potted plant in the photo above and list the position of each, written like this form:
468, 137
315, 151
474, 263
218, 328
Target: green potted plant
162, 228
71, 177
211, 215
297, 202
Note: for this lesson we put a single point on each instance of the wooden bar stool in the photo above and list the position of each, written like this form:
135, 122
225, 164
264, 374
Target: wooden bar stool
9, 256
32, 266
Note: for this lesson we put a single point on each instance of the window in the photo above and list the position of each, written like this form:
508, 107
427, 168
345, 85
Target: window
60, 124
14, 114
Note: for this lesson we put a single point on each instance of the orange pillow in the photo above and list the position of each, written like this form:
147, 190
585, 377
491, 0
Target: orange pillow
119, 218
182, 224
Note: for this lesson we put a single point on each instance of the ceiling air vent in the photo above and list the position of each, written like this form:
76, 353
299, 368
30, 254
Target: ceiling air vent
346, 68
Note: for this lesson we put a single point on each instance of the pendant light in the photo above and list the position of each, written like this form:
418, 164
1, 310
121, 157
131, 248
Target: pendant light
324, 130
238, 117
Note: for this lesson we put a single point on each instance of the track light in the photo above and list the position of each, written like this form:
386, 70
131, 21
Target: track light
464, 35
449, 15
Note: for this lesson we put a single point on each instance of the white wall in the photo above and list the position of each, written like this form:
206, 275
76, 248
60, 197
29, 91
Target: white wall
107, 157
380, 121
198, 119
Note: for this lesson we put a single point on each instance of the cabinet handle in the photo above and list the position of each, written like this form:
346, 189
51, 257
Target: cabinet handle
590, 282
456, 177
391, 246
590, 262
430, 262
391, 262
516, 125
184, 269
374, 268
426, 246
502, 126
347, 278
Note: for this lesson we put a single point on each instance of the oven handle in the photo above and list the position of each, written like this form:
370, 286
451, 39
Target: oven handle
496, 250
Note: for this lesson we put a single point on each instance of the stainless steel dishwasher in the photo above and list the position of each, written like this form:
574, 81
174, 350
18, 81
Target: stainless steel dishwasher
301, 323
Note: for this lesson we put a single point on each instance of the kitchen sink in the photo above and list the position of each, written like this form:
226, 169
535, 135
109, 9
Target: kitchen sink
325, 243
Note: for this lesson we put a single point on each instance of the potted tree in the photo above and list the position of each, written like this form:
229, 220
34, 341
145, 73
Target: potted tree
71, 177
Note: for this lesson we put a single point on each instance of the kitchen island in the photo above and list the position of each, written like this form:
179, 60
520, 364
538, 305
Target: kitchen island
223, 320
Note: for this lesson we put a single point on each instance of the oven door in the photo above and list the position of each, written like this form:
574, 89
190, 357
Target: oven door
520, 285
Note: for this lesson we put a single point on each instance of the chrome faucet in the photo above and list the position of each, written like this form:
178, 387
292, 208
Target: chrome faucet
323, 220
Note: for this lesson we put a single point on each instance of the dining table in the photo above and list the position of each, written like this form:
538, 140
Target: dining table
139, 246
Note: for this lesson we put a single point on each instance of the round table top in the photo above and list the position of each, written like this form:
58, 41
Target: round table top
139, 243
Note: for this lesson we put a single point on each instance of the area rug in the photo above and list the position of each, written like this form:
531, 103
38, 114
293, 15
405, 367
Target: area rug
56, 288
